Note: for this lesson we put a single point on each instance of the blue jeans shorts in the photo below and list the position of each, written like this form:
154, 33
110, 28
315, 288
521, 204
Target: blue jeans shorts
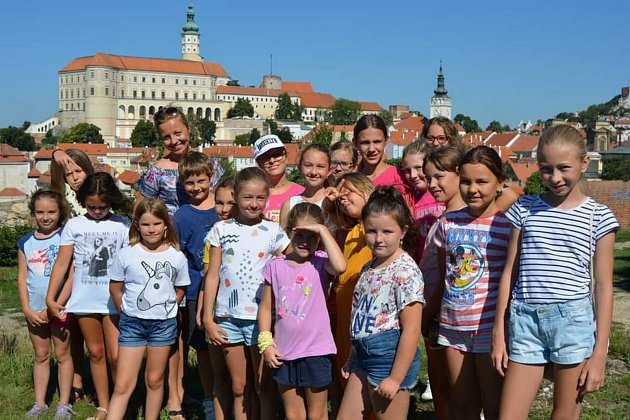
138, 332
306, 372
239, 330
561, 333
375, 356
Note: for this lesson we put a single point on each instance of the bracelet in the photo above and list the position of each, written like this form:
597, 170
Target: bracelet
265, 340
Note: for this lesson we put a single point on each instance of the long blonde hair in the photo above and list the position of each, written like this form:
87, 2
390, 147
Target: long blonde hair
158, 209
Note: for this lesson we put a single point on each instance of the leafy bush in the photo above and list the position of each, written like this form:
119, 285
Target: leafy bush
9, 236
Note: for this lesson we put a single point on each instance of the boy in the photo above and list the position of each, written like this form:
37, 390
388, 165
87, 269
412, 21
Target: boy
193, 221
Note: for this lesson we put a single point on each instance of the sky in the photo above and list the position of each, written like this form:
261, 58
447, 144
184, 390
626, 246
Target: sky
503, 60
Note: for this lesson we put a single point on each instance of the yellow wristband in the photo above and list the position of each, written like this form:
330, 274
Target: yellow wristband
265, 340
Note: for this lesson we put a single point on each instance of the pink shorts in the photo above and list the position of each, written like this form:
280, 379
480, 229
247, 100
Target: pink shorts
68, 320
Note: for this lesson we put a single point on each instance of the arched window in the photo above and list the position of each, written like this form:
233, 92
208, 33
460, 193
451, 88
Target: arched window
208, 114
151, 111
190, 111
143, 112
121, 112
217, 114
200, 112
131, 112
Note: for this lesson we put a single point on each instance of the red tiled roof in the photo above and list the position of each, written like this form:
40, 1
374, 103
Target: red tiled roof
370, 106
245, 152
459, 128
403, 138
34, 173
128, 177
500, 139
523, 170
164, 65
252, 91
317, 100
126, 150
339, 128
11, 154
91, 149
525, 143
11, 192
302, 87
413, 122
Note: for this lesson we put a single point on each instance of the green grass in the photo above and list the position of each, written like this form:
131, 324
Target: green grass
623, 235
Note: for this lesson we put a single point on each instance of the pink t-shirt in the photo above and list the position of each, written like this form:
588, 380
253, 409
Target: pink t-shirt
394, 177
275, 202
426, 212
302, 327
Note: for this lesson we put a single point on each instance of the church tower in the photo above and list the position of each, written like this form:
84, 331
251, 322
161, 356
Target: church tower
190, 36
441, 104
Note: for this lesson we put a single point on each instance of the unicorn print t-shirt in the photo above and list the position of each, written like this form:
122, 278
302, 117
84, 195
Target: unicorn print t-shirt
40, 257
96, 242
150, 279
244, 251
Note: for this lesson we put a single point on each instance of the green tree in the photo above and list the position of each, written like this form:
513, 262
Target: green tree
50, 139
616, 167
295, 176
253, 136
82, 133
242, 139
322, 134
387, 116
343, 136
534, 184
470, 125
569, 116
16, 137
233, 82
287, 109
344, 112
144, 134
228, 168
201, 131
25, 125
242, 108
495, 126
284, 134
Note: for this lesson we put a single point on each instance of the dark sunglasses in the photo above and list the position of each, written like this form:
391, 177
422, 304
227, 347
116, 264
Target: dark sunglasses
165, 113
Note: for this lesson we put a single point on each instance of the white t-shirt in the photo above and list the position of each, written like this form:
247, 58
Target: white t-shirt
95, 242
150, 279
244, 251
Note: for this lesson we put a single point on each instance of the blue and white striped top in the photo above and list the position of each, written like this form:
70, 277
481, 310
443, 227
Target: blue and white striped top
554, 254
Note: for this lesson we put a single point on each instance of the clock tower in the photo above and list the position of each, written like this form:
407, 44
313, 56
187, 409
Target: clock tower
190, 36
441, 104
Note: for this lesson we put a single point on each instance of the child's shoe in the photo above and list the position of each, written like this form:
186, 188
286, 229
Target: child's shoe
64, 412
36, 411
427, 395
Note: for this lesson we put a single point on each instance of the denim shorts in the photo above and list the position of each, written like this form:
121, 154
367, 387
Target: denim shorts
239, 330
306, 372
476, 341
561, 333
138, 332
375, 356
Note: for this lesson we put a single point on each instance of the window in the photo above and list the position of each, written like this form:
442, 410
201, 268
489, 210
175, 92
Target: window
195, 82
122, 93
84, 77
204, 96
186, 96
61, 92
176, 95
78, 91
163, 80
152, 94
153, 80
143, 94
135, 94
106, 75
71, 94
84, 93
177, 81
144, 79
106, 91
91, 90
185, 81
194, 96
66, 79
91, 74
163, 95
122, 77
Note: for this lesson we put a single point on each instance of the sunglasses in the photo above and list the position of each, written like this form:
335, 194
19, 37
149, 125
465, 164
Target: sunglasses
165, 113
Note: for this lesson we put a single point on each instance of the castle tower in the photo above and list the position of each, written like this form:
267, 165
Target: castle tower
190, 36
441, 104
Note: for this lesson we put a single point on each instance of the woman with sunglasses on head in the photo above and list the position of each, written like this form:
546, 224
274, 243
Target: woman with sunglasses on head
271, 156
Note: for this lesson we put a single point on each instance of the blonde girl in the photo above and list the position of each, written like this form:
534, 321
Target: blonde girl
558, 240
472, 245
148, 281
90, 300
314, 166
386, 314
239, 248
441, 132
37, 252
343, 159
295, 291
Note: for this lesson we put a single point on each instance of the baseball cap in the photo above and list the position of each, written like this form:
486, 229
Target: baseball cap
265, 144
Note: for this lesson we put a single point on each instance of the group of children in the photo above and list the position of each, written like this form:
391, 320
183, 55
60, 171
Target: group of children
329, 304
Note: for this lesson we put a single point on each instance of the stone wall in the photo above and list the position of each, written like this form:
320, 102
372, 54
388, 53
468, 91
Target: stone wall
15, 213
614, 194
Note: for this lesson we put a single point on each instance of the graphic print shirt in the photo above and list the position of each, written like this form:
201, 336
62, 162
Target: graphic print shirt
40, 257
244, 251
150, 279
475, 248
95, 242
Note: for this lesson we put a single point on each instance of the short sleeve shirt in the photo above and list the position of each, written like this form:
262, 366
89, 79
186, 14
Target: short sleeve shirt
40, 257
275, 202
382, 293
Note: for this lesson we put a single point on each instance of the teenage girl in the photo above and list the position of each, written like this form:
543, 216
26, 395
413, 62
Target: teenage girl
441, 132
472, 245
295, 290
440, 168
386, 314
314, 166
343, 159
36, 255
148, 281
90, 300
370, 138
68, 171
558, 240
239, 249
426, 209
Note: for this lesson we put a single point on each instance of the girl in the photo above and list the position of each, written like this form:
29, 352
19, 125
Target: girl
271, 156
386, 314
148, 281
314, 166
36, 255
426, 209
90, 300
370, 138
343, 159
295, 287
442, 177
70, 169
472, 245
441, 132
239, 248
344, 204
556, 239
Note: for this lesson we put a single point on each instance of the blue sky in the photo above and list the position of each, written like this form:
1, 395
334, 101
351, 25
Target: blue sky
503, 60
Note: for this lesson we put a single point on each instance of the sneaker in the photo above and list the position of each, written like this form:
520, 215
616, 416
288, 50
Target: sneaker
64, 412
427, 395
36, 411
